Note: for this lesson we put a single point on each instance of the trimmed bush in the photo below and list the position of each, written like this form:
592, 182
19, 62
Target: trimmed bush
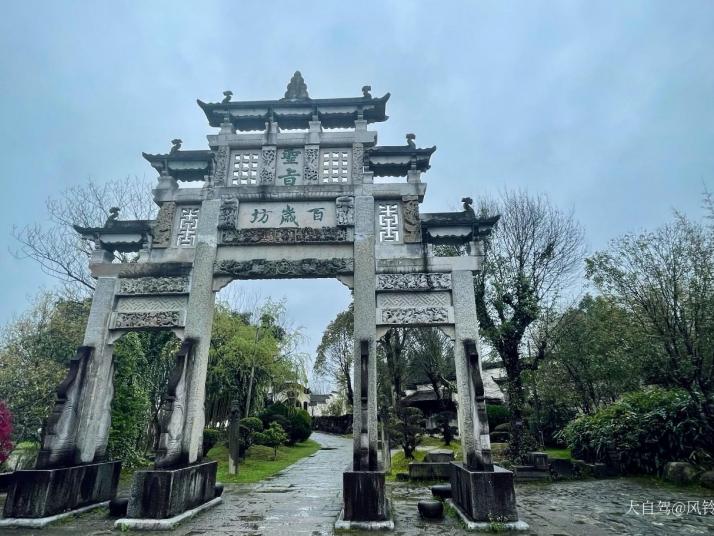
497, 414
211, 436
297, 423
647, 428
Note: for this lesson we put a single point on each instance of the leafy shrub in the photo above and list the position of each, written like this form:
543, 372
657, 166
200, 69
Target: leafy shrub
211, 436
5, 432
648, 428
497, 414
406, 427
273, 436
249, 426
297, 423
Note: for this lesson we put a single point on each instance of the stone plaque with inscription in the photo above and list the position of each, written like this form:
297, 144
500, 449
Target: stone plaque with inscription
287, 214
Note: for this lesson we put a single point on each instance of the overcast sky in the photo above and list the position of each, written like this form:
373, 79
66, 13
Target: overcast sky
608, 107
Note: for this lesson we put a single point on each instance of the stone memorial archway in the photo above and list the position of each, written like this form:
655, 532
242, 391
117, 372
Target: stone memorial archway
285, 190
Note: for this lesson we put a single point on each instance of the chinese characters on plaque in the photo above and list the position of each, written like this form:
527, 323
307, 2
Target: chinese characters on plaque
286, 214
290, 163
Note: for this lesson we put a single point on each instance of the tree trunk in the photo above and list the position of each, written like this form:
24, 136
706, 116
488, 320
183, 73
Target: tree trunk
518, 445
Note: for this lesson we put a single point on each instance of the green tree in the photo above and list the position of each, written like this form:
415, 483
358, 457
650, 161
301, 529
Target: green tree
406, 426
665, 280
273, 436
34, 349
131, 404
530, 259
335, 354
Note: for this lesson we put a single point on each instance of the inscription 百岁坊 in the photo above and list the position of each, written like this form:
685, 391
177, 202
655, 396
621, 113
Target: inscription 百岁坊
289, 214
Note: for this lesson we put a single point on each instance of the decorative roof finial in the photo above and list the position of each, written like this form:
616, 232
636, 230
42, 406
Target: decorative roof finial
366, 92
227, 96
410, 141
113, 216
297, 88
467, 201
176, 145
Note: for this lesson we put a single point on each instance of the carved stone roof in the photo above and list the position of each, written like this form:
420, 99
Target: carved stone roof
119, 235
182, 165
296, 113
455, 227
397, 160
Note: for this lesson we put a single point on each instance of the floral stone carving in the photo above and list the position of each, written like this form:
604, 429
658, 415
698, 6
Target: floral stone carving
267, 165
415, 315
311, 172
345, 209
420, 281
148, 319
153, 285
228, 217
410, 217
220, 166
300, 235
164, 223
261, 268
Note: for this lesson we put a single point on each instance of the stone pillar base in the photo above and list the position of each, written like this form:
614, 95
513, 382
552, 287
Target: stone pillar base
39, 493
484, 496
364, 495
167, 493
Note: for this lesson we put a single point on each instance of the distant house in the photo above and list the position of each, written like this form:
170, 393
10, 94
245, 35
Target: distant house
421, 395
319, 404
292, 394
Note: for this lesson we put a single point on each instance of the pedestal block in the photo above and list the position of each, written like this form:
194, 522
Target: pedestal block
46, 492
164, 493
364, 494
483, 495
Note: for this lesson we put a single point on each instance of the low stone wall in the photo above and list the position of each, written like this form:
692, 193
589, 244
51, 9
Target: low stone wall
333, 425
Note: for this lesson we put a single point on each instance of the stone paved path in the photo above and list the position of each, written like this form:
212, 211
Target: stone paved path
306, 498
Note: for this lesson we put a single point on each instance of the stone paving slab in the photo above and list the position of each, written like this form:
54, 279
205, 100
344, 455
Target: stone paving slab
305, 499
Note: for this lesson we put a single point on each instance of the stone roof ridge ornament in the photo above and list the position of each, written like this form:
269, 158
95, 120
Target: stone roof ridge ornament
467, 201
175, 145
410, 140
113, 216
366, 92
227, 95
297, 88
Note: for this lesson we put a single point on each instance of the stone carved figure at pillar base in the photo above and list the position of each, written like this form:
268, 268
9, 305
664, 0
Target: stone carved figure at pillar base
172, 416
480, 460
58, 441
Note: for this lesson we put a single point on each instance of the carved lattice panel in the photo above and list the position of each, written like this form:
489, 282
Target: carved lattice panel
150, 303
388, 221
414, 299
245, 167
335, 165
187, 227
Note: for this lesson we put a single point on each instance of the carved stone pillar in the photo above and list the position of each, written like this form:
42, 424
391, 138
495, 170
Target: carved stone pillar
199, 320
365, 335
95, 402
466, 329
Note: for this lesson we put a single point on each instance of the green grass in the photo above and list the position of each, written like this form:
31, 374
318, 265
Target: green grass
563, 454
259, 463
400, 464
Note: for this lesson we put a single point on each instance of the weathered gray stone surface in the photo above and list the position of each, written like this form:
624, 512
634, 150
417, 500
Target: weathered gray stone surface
680, 472
430, 471
305, 499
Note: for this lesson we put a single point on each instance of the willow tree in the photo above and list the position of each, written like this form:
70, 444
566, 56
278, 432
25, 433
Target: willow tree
335, 354
530, 260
